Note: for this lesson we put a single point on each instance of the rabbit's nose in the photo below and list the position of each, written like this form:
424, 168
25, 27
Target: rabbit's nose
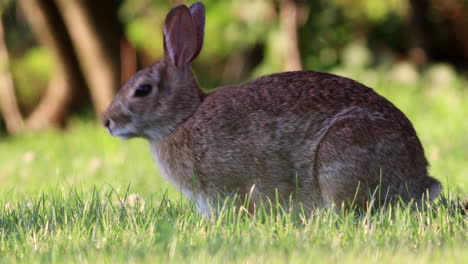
107, 122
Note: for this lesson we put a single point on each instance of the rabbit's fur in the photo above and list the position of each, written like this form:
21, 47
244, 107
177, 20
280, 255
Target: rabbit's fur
307, 136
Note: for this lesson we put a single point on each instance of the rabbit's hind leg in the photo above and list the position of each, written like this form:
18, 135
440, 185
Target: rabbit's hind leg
361, 158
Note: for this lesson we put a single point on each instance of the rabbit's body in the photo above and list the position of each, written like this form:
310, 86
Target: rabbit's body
311, 136
306, 136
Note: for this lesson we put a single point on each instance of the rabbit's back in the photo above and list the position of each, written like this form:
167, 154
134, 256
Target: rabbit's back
290, 106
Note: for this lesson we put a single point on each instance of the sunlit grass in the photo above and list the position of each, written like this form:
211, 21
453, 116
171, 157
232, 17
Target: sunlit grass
111, 226
108, 225
83, 196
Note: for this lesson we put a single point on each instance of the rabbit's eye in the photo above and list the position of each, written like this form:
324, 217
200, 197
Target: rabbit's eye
142, 90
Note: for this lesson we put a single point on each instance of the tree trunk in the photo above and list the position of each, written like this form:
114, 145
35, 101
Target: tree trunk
8, 103
46, 22
129, 56
288, 23
53, 108
99, 59
444, 38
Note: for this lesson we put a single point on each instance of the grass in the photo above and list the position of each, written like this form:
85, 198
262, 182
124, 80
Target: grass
83, 196
102, 226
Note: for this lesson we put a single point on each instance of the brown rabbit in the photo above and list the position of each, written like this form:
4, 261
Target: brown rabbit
315, 137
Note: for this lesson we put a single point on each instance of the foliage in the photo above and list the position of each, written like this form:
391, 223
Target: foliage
235, 26
32, 73
247, 32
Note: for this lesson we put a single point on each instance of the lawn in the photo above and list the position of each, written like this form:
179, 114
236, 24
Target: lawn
84, 196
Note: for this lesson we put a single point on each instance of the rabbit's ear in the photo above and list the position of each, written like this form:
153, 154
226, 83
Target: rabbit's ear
198, 15
180, 38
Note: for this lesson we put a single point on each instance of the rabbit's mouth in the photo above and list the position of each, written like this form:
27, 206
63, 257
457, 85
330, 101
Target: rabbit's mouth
118, 130
122, 133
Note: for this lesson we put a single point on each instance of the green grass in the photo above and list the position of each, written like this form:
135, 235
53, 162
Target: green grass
102, 226
83, 196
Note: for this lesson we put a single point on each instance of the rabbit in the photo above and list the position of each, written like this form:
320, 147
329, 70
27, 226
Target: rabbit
310, 137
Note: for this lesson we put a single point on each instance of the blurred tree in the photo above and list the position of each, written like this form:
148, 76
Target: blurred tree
8, 104
84, 39
96, 34
45, 20
289, 10
55, 103
442, 29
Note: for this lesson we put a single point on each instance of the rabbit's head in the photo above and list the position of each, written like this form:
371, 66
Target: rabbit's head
159, 98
